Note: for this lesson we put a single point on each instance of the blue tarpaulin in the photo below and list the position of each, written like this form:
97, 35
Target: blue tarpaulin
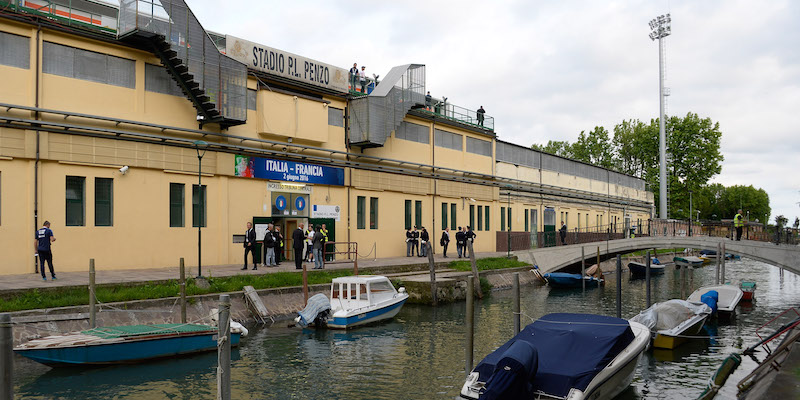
513, 374
711, 298
572, 349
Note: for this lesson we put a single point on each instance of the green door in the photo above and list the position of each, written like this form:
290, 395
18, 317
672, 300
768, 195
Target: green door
330, 224
549, 227
259, 248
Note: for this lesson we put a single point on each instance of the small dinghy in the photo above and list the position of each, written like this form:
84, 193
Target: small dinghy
688, 261
355, 300
562, 356
748, 290
721, 298
125, 344
566, 280
673, 321
639, 270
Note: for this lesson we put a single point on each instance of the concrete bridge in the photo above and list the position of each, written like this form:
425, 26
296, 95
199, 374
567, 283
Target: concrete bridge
568, 258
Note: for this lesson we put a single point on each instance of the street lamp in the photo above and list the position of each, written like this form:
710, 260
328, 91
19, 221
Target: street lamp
661, 28
690, 213
201, 147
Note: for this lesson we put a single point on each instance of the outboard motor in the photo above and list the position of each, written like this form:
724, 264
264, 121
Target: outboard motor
514, 373
317, 305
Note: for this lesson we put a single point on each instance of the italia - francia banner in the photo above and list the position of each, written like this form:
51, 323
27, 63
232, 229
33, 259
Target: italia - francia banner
289, 171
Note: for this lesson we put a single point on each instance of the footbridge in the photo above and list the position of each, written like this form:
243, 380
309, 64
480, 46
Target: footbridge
568, 258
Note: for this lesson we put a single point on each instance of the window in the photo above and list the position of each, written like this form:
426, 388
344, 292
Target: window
360, 205
448, 140
486, 222
525, 228
480, 147
408, 214
453, 216
157, 80
88, 65
502, 219
587, 220
199, 206
579, 220
413, 132
15, 50
418, 213
252, 101
534, 220
444, 216
472, 216
335, 116
480, 218
373, 213
176, 204
76, 191
103, 202
509, 218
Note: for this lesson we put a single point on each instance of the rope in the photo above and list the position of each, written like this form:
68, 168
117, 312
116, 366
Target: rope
368, 254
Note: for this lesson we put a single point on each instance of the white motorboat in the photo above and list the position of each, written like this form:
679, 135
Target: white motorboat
673, 321
728, 297
354, 300
562, 356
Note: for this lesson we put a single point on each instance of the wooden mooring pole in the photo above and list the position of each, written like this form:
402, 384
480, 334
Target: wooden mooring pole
469, 323
92, 298
6, 357
716, 271
683, 281
619, 285
647, 278
432, 267
224, 348
182, 285
305, 285
475, 274
517, 309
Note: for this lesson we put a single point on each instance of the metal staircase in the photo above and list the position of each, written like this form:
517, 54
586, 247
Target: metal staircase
214, 83
374, 117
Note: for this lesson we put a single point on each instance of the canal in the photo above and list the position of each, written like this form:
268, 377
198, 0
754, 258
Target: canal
420, 354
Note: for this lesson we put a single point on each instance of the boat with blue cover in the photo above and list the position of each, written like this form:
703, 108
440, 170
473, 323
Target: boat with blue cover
562, 356
124, 344
567, 280
722, 299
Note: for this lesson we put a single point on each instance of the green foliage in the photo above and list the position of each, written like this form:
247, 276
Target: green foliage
717, 202
486, 287
780, 221
557, 147
485, 264
594, 148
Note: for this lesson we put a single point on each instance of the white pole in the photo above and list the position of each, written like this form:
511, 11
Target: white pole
662, 136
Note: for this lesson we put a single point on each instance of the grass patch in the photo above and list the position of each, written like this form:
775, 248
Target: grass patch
485, 264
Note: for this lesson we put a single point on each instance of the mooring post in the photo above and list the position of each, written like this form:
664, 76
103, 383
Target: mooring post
224, 348
647, 278
92, 298
475, 274
691, 281
716, 271
583, 269
432, 267
182, 285
598, 257
6, 357
517, 309
683, 281
305, 285
470, 322
619, 285
722, 273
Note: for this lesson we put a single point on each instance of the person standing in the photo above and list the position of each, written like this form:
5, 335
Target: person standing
424, 239
44, 238
362, 77
297, 245
269, 244
317, 242
563, 233
278, 245
460, 238
310, 243
738, 222
409, 242
324, 232
469, 237
353, 77
249, 246
428, 101
480, 113
445, 240
415, 241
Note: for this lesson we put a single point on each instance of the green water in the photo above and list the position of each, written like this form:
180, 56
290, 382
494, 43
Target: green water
420, 354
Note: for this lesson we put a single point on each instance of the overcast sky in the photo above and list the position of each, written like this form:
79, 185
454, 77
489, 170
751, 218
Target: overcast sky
546, 70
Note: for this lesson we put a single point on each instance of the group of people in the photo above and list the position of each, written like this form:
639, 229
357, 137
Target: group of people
417, 241
311, 240
358, 77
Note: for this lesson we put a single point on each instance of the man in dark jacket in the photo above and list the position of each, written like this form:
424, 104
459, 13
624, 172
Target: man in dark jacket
278, 245
249, 246
409, 242
424, 239
414, 241
297, 244
470, 236
563, 233
445, 240
318, 243
269, 245
460, 238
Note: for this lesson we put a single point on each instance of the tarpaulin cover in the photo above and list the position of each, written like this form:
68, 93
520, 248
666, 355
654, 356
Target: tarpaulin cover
316, 304
572, 350
669, 314
513, 374
711, 298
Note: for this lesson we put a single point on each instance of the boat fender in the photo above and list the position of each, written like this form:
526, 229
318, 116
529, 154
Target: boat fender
238, 328
401, 290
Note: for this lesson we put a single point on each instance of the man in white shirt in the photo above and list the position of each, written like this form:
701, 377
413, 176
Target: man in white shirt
362, 77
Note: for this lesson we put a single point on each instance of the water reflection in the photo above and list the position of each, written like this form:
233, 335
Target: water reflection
420, 354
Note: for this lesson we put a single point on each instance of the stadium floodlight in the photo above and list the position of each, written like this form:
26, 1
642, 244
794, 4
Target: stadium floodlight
660, 28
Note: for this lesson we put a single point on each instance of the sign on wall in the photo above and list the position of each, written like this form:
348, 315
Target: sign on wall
285, 64
278, 170
320, 211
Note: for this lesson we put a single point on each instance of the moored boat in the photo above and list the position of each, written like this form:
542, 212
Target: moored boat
124, 344
639, 270
673, 321
688, 261
725, 298
748, 290
562, 356
567, 280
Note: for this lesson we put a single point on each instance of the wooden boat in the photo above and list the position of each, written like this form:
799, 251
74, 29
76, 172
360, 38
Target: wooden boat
566, 280
562, 356
355, 300
123, 344
674, 321
748, 290
728, 298
688, 261
639, 270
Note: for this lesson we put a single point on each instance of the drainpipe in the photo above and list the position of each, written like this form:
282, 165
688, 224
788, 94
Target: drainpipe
36, 163
433, 171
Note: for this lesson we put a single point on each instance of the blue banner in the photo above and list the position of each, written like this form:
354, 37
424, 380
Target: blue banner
289, 171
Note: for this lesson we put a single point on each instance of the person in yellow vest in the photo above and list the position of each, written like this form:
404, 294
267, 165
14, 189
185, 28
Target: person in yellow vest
324, 231
738, 222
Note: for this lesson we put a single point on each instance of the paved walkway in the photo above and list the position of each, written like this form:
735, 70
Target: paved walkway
32, 281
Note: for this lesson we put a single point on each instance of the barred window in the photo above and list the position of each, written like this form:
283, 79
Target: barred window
413, 132
252, 99
335, 116
88, 65
157, 80
477, 146
15, 50
448, 140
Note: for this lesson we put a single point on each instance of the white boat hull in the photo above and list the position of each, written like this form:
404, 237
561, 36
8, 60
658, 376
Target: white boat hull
729, 296
345, 319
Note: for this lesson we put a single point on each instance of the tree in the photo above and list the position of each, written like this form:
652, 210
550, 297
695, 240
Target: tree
724, 202
796, 222
557, 147
594, 148
635, 147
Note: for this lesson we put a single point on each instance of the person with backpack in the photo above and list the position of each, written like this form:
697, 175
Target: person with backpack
445, 240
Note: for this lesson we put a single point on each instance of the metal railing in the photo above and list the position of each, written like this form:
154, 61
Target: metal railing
349, 251
442, 108
64, 14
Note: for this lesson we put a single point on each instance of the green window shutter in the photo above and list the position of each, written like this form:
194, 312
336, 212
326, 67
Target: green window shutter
103, 202
509, 218
373, 213
503, 219
176, 205
472, 216
486, 226
444, 216
199, 206
527, 224
480, 218
76, 192
360, 205
418, 213
453, 220
408, 214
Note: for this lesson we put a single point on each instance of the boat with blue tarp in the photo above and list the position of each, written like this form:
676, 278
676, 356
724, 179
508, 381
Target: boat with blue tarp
562, 356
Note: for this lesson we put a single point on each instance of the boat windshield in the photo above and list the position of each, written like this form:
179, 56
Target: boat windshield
382, 287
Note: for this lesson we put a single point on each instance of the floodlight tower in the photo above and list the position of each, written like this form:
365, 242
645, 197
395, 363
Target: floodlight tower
661, 28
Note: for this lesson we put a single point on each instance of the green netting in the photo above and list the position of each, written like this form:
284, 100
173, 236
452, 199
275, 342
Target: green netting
143, 330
